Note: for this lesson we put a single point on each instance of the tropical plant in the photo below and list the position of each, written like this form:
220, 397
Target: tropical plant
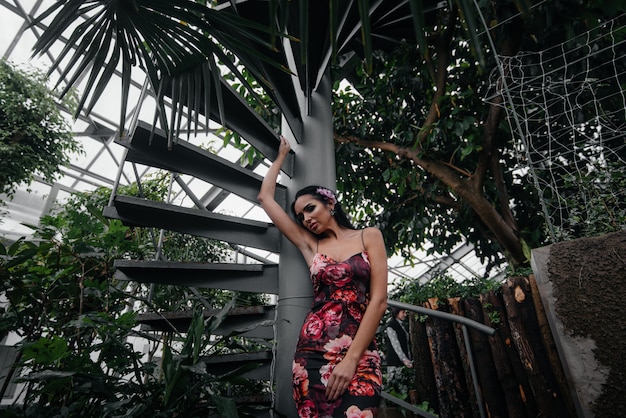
35, 137
179, 44
442, 286
446, 157
424, 153
603, 210
77, 323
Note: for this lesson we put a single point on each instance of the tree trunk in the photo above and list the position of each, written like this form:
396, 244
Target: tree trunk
422, 364
494, 315
505, 234
447, 367
514, 296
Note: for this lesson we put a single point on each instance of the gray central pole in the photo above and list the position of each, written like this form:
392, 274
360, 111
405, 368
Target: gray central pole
314, 164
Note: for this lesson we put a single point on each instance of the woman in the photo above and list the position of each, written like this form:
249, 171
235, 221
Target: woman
336, 368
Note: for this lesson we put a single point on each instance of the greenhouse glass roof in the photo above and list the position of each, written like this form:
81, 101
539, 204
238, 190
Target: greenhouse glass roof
100, 163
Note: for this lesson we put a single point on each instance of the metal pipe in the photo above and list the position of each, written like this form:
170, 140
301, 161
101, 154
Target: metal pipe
465, 322
470, 359
406, 405
443, 315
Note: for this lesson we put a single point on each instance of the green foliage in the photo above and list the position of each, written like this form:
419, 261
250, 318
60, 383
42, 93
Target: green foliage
595, 203
425, 406
494, 316
186, 370
399, 387
77, 323
518, 271
426, 154
188, 37
442, 286
64, 306
413, 206
35, 138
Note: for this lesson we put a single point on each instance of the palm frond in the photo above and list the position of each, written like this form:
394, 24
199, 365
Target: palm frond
366, 30
468, 16
176, 42
417, 10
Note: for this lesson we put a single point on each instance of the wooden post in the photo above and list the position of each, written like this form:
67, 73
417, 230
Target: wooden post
513, 389
453, 397
425, 387
513, 295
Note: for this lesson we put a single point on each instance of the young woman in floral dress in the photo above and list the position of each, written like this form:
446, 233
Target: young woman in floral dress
336, 368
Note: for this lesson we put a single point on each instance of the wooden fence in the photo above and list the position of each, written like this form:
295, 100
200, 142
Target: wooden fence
519, 372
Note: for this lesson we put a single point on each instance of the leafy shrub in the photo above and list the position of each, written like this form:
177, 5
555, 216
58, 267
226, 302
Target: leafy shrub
34, 135
77, 322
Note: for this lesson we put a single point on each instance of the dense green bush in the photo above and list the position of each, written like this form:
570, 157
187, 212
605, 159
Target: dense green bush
442, 286
77, 323
35, 138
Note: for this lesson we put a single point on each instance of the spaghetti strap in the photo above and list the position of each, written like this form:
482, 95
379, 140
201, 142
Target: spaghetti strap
362, 240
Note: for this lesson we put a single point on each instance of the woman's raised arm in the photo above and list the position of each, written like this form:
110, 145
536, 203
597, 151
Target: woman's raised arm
287, 226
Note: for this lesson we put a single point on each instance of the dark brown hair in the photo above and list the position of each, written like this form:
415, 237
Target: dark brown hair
340, 216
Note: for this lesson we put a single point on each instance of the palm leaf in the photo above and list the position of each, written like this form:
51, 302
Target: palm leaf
170, 40
417, 10
366, 31
468, 16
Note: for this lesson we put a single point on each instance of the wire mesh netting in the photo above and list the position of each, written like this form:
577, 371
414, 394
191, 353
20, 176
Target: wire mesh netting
566, 108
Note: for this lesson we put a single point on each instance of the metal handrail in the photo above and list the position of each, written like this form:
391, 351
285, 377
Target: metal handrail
465, 322
443, 315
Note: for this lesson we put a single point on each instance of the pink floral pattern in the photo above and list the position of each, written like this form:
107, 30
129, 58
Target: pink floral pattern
341, 295
355, 412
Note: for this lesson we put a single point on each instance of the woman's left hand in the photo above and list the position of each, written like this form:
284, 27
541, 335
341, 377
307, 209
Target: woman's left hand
339, 379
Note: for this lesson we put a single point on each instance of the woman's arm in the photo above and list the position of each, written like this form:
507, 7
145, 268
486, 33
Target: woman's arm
344, 371
287, 226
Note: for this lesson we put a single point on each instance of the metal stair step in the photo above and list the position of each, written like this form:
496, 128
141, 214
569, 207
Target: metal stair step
256, 405
225, 363
246, 321
244, 120
257, 278
134, 211
152, 150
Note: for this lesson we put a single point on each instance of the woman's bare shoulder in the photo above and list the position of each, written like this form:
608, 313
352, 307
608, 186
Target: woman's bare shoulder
372, 232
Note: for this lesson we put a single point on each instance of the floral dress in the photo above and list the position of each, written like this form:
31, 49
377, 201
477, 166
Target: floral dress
341, 291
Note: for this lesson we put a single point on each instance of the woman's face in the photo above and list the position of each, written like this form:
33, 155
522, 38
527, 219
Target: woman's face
312, 213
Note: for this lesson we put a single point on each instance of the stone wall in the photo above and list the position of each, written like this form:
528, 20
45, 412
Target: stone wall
583, 290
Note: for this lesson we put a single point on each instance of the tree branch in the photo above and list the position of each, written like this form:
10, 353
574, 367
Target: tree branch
489, 158
464, 189
437, 169
441, 75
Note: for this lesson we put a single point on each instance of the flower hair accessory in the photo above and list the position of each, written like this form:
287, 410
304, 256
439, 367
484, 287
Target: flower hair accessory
327, 194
